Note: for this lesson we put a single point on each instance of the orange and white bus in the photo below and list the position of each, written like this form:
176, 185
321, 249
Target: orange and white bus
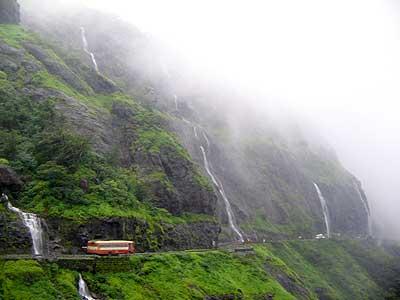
110, 247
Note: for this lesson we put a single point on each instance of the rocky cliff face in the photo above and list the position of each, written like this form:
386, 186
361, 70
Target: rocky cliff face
69, 237
267, 175
14, 236
9, 180
9, 12
270, 183
172, 204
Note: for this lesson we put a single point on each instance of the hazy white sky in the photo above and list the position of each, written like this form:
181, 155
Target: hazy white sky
298, 50
337, 62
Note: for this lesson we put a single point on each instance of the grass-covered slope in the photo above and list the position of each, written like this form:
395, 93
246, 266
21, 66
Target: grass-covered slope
295, 270
27, 279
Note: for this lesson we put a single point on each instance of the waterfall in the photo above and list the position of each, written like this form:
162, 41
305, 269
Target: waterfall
86, 49
216, 182
34, 224
186, 121
84, 290
220, 188
367, 210
207, 140
324, 210
176, 102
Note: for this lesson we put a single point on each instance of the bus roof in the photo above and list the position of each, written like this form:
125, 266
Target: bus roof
111, 242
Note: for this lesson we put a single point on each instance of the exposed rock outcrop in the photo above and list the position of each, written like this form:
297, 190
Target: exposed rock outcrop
9, 180
185, 193
68, 237
347, 213
14, 236
9, 12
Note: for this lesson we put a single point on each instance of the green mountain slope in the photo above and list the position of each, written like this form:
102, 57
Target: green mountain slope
267, 168
113, 154
64, 140
295, 270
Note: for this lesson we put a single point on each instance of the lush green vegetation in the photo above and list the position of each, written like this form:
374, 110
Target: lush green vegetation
46, 80
28, 280
154, 140
328, 267
14, 34
67, 179
190, 276
294, 270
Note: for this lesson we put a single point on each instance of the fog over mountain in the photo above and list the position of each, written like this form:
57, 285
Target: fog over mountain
336, 65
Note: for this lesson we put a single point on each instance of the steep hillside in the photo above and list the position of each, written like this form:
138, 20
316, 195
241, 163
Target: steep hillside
101, 137
267, 174
134, 142
270, 176
87, 155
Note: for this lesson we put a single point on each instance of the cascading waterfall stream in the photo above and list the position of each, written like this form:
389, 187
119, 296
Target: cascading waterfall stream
216, 182
207, 140
34, 224
324, 210
176, 102
368, 211
222, 193
86, 49
84, 290
186, 121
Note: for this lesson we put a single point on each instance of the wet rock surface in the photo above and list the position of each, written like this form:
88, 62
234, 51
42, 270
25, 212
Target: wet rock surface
187, 194
347, 213
9, 180
68, 237
14, 236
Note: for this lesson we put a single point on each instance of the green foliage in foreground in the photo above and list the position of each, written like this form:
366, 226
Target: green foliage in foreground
191, 276
294, 270
28, 280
